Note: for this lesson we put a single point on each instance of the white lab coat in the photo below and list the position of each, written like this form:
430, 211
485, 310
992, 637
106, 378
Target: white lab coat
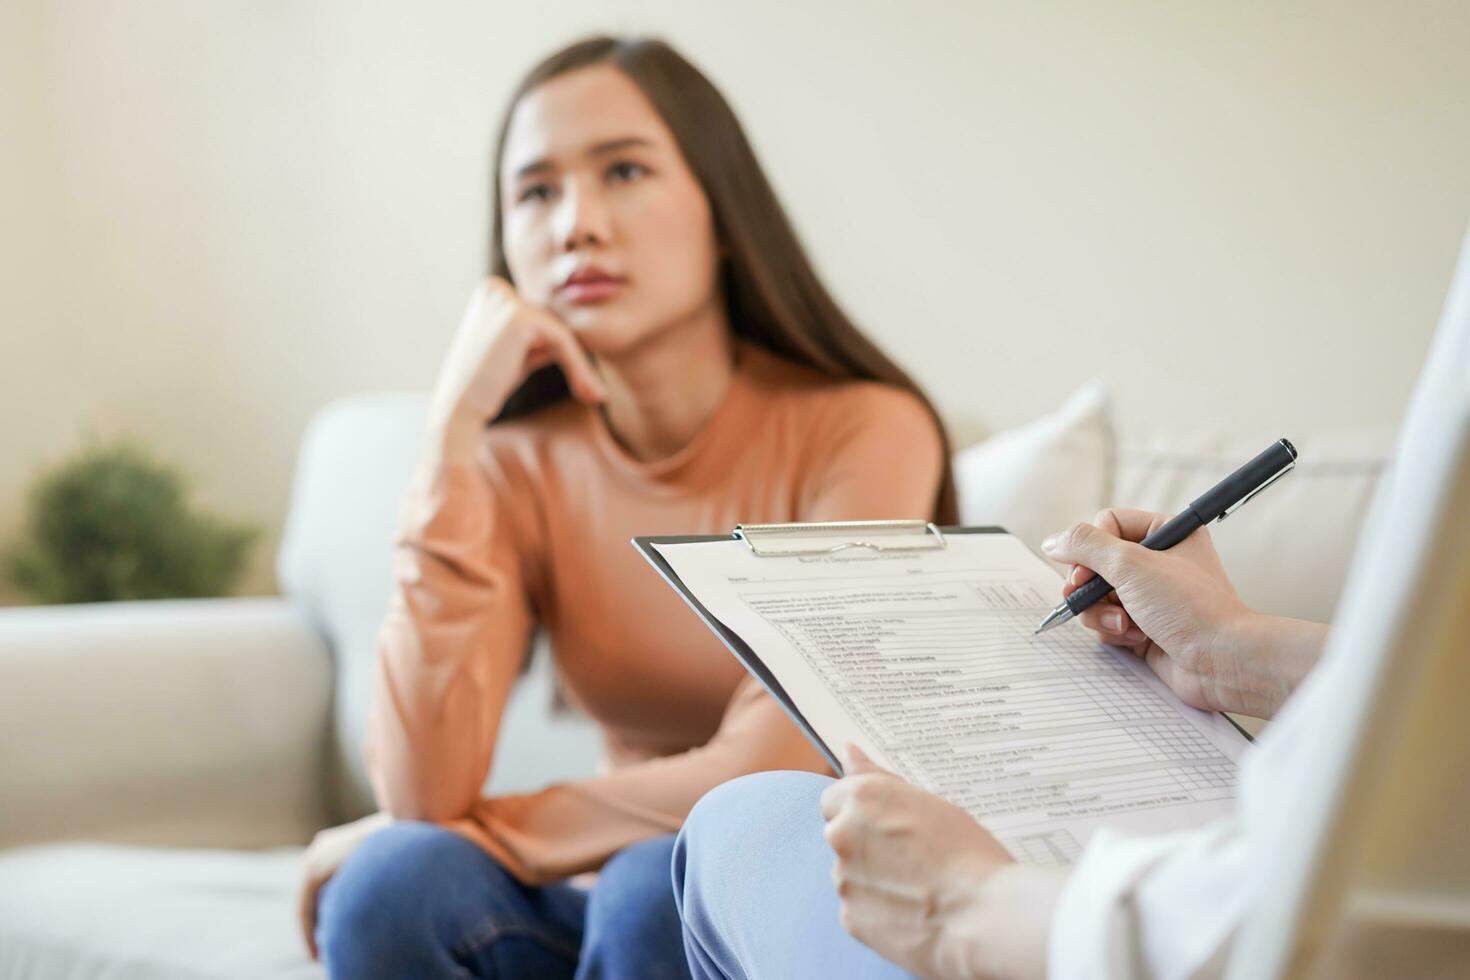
1169, 906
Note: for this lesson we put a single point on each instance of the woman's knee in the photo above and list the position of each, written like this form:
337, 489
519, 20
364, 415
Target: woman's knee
634, 885
384, 900
631, 916
638, 867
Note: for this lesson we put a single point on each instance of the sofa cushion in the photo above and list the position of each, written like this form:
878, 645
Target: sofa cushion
141, 913
178, 721
1042, 476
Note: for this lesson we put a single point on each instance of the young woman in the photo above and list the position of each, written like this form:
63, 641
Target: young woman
652, 353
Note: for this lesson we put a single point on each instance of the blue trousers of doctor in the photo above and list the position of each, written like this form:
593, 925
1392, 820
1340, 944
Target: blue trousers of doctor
753, 882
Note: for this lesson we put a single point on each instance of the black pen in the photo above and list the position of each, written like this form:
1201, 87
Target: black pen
1218, 503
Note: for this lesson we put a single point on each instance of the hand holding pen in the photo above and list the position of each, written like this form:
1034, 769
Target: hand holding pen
1176, 609
1216, 504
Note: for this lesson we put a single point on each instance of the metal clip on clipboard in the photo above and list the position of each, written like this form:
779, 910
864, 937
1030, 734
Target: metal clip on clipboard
832, 537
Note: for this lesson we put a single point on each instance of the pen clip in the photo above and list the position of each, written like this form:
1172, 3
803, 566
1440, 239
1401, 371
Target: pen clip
1243, 500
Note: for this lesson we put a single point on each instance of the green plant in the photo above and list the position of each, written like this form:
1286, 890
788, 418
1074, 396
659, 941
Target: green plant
114, 523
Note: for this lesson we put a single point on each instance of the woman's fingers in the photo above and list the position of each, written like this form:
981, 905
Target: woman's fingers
582, 377
501, 340
307, 912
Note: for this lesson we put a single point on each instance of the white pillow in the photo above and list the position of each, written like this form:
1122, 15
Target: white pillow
1040, 477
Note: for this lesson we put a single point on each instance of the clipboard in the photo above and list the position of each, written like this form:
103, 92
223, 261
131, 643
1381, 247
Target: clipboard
759, 538
806, 540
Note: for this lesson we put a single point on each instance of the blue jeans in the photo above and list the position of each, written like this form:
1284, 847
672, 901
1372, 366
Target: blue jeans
753, 882
416, 900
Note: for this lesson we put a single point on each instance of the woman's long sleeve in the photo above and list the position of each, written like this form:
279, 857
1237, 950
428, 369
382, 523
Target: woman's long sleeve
456, 633
880, 457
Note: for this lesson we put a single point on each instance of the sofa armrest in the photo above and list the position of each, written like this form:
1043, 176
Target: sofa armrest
179, 722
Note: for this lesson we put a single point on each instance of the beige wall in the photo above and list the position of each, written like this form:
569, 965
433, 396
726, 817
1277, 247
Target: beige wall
215, 217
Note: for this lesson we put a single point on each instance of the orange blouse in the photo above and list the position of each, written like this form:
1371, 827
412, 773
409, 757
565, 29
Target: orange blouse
538, 533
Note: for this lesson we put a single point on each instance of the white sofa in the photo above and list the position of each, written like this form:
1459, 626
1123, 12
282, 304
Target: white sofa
162, 763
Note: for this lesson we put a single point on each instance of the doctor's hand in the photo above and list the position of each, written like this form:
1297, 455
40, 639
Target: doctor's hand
911, 872
1177, 610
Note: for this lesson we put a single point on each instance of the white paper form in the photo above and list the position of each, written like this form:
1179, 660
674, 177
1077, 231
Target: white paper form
927, 661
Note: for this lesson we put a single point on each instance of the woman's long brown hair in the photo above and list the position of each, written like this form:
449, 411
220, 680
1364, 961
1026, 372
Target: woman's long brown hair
772, 293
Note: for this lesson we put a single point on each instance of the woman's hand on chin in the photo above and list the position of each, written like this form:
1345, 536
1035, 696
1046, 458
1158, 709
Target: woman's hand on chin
501, 339
913, 873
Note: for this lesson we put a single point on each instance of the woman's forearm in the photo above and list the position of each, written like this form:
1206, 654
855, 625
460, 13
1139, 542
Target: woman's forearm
572, 827
455, 634
451, 440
